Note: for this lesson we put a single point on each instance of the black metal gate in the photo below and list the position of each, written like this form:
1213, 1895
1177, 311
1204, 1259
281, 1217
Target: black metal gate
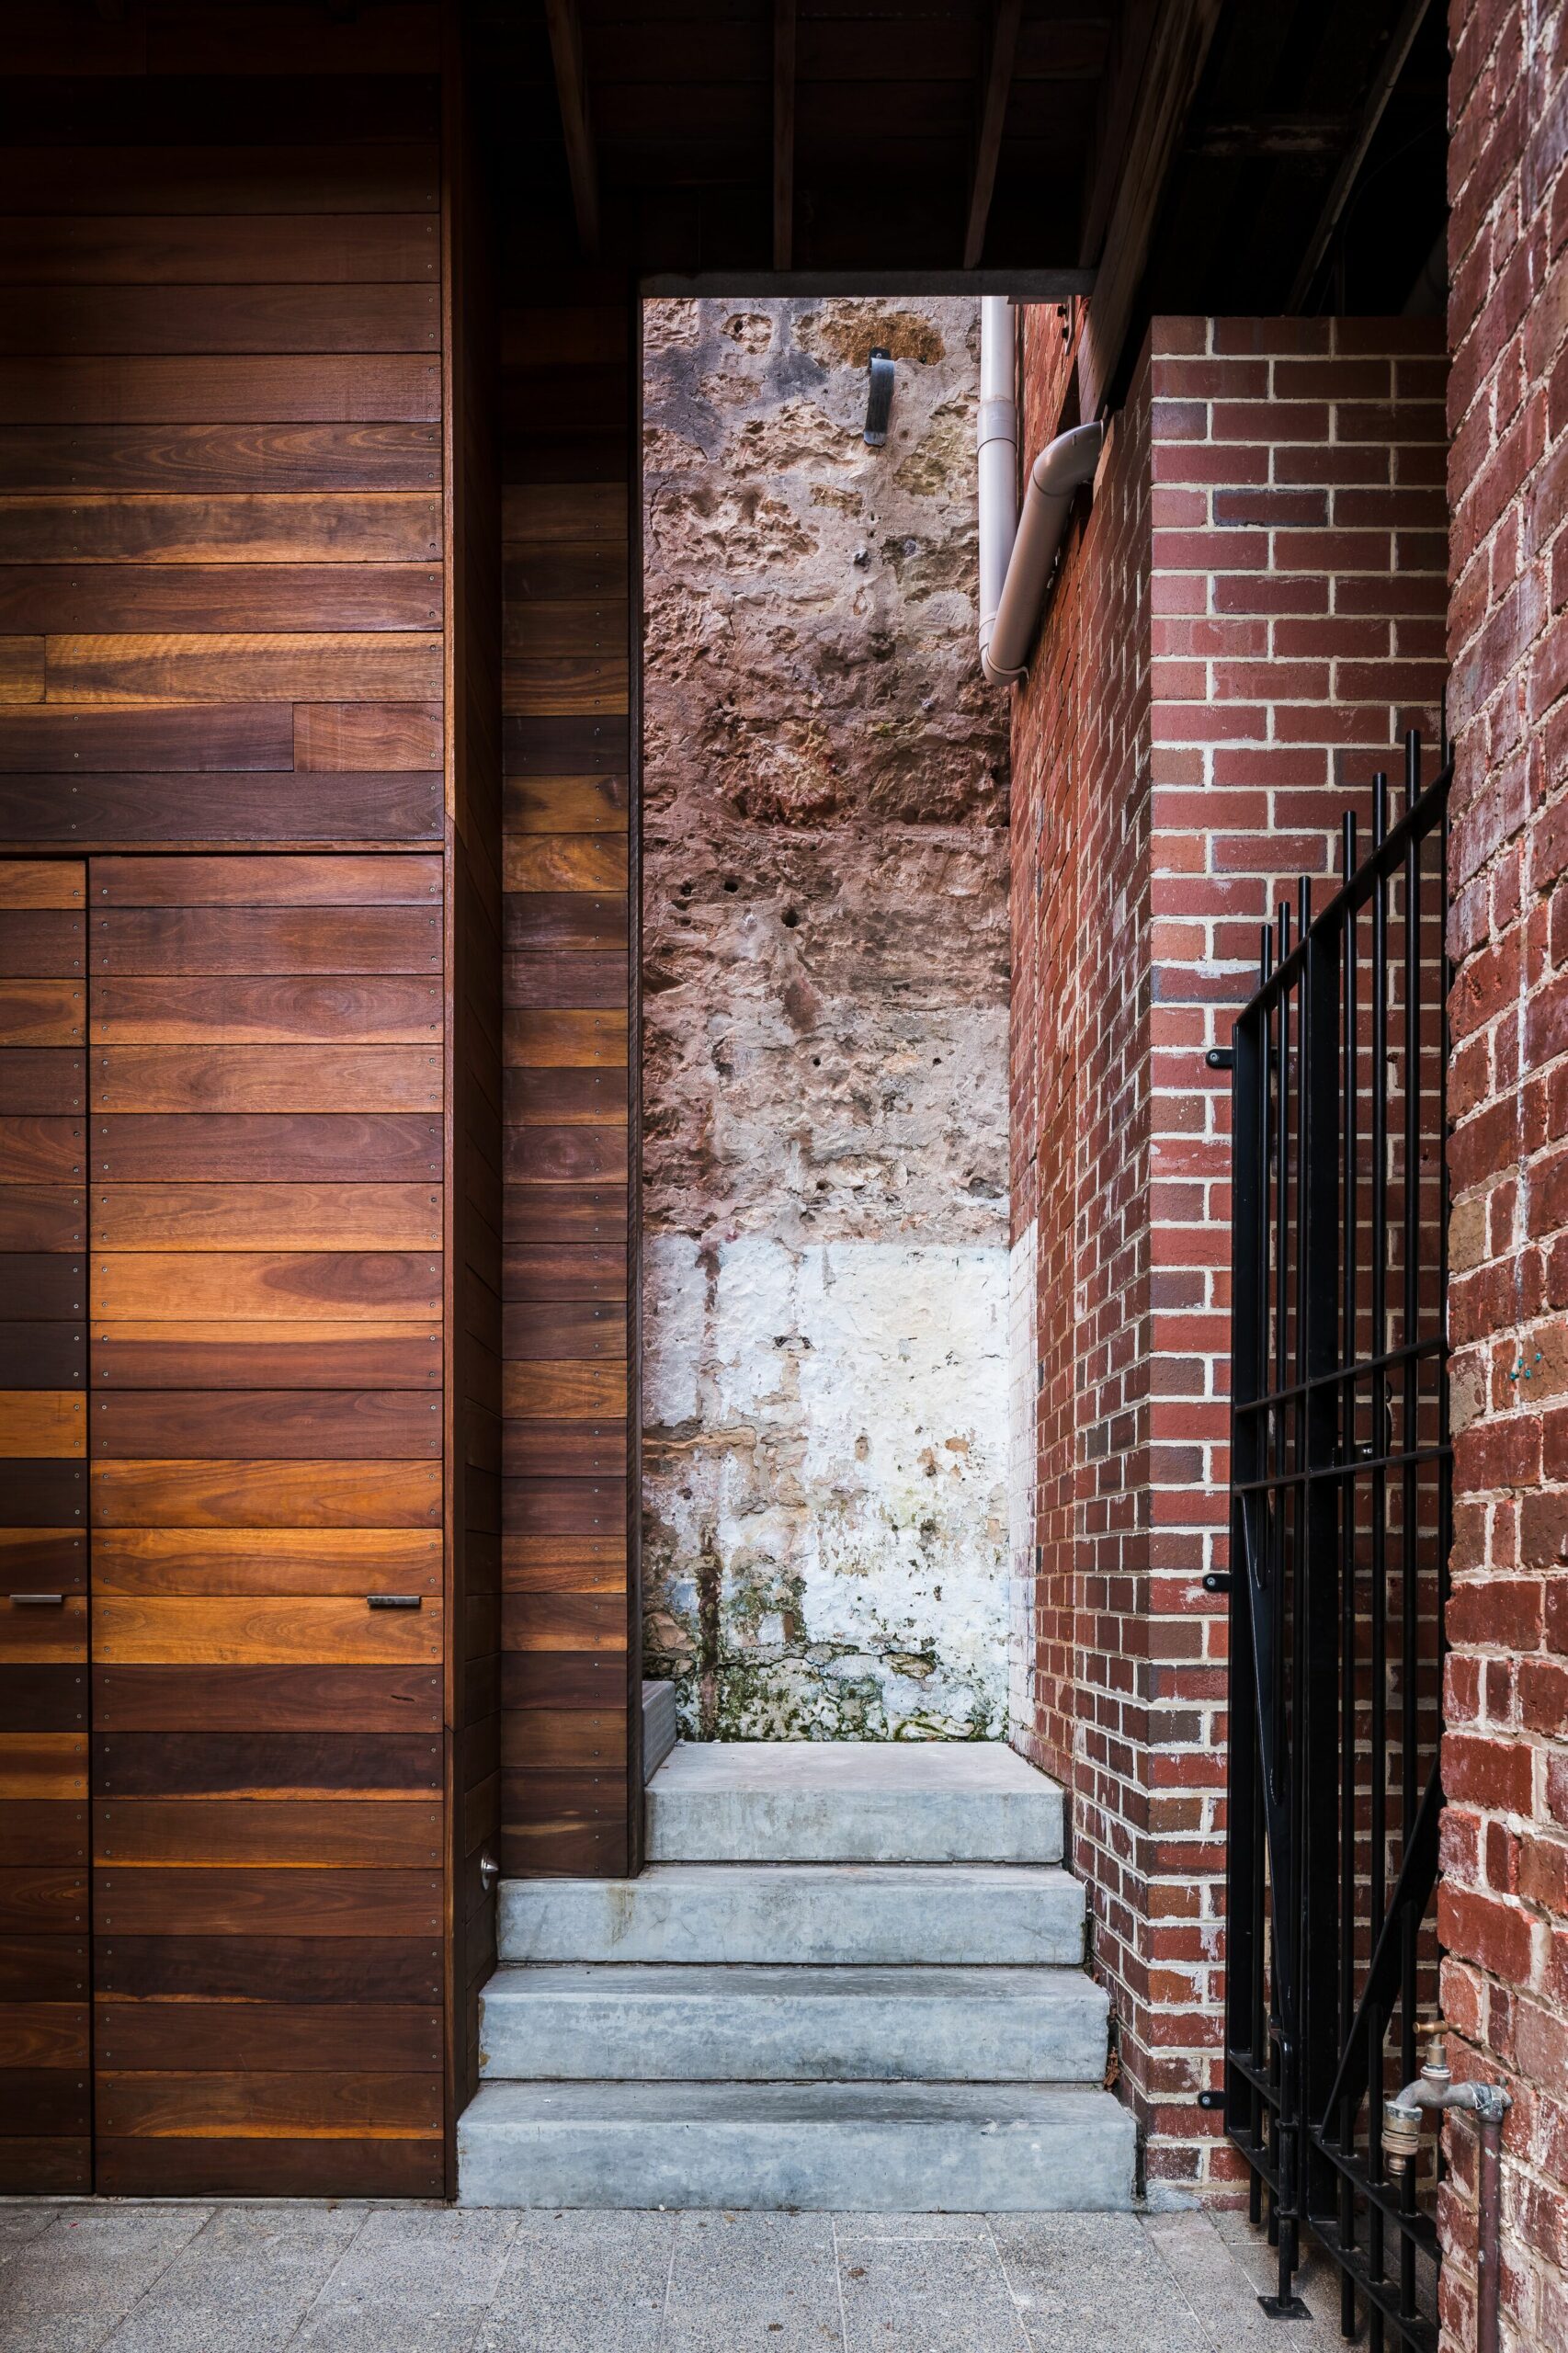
1340, 1526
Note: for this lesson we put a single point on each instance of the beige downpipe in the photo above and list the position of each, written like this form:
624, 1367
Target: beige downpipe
1017, 552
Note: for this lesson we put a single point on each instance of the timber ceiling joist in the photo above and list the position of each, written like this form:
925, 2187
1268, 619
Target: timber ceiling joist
1194, 154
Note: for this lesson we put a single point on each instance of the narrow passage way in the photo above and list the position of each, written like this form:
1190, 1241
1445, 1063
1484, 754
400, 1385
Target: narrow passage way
352, 2278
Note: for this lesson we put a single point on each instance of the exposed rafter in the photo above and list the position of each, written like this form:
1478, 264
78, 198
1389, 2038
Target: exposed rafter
1132, 179
572, 92
783, 134
1402, 41
998, 81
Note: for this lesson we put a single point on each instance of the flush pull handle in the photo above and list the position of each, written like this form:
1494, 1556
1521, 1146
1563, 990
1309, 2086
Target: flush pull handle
395, 1601
38, 1601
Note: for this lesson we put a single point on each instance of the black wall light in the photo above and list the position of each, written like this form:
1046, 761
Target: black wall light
879, 396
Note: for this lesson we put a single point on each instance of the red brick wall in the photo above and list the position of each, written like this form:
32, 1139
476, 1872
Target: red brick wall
1504, 1898
1246, 617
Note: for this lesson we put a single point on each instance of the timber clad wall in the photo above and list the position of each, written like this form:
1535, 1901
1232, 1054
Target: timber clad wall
235, 382
572, 1785
45, 2049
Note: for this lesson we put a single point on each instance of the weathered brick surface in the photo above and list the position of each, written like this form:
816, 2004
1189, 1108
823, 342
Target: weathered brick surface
1505, 1899
1248, 616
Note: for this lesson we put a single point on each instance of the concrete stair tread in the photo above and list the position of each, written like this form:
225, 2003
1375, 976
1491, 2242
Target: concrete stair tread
911, 1982
941, 1913
866, 2147
925, 1801
726, 2023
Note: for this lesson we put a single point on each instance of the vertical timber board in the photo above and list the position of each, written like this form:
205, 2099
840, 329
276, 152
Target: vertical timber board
223, 616
266, 1221
571, 1777
472, 570
45, 2017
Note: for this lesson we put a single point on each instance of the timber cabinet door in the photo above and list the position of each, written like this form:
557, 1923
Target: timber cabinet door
266, 1074
45, 2087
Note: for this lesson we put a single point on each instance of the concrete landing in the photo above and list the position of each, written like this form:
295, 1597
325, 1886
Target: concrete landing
862, 1801
877, 2148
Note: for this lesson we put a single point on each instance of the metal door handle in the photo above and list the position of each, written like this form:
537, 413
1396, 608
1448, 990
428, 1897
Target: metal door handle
395, 1601
38, 1601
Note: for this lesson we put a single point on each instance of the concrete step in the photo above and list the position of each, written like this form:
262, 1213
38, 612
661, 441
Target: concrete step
1041, 2026
951, 1914
658, 1725
854, 2148
863, 1801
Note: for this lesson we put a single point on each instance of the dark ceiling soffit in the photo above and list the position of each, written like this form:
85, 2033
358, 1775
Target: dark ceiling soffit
783, 134
760, 285
1402, 41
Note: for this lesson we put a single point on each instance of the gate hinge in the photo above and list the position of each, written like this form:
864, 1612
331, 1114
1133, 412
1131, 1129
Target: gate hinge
1217, 1581
1221, 1058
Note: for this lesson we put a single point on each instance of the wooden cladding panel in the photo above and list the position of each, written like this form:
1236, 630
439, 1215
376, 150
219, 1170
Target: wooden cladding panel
45, 2044
571, 1795
250, 1511
222, 533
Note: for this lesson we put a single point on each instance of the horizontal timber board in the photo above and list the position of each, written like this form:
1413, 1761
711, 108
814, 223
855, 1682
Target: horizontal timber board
269, 1969
201, 320
41, 1150
217, 1356
209, 2166
561, 1390
43, 1699
340, 1010
303, 665
337, 175
195, 389
563, 1272
43, 1900
266, 1699
271, 881
266, 2038
563, 1095
241, 462
348, 1832
265, 1078
265, 1495
588, 1157
30, 1636
221, 538
370, 1424
261, 807
42, 1830
287, 940
233, 249
38, 1559
547, 1213
356, 1561
42, 1012
42, 943
559, 982
258, 2105
89, 599
46, 1494
41, 1082
259, 1630
571, 922
213, 737
45, 1969
268, 1286
267, 1765
300, 1903
264, 1217
42, 1356
564, 1330
260, 1148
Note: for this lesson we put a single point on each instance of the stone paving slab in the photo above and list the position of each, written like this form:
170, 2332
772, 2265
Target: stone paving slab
330, 2277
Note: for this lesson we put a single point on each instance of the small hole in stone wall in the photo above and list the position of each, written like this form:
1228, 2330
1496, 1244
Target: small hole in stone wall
731, 884
791, 917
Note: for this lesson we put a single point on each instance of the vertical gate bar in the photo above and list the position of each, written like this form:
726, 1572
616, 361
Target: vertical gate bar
1283, 1893
1263, 2107
1318, 1564
1378, 1719
1408, 1590
1244, 1843
1345, 1401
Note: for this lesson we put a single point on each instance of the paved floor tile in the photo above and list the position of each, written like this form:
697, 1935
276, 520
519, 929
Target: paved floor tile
581, 2283
752, 2283
424, 2258
244, 2282
1222, 2265
1093, 2283
910, 2227
66, 2289
25, 2219
927, 2296
343, 2328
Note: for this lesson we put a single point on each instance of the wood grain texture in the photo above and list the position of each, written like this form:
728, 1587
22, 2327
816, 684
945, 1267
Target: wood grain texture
264, 1217
180, 523
233, 1833
266, 1699
267, 2037
217, 1148
307, 1354
289, 941
266, 1078
356, 1424
338, 1010
355, 1561
341, 1285
265, 1494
